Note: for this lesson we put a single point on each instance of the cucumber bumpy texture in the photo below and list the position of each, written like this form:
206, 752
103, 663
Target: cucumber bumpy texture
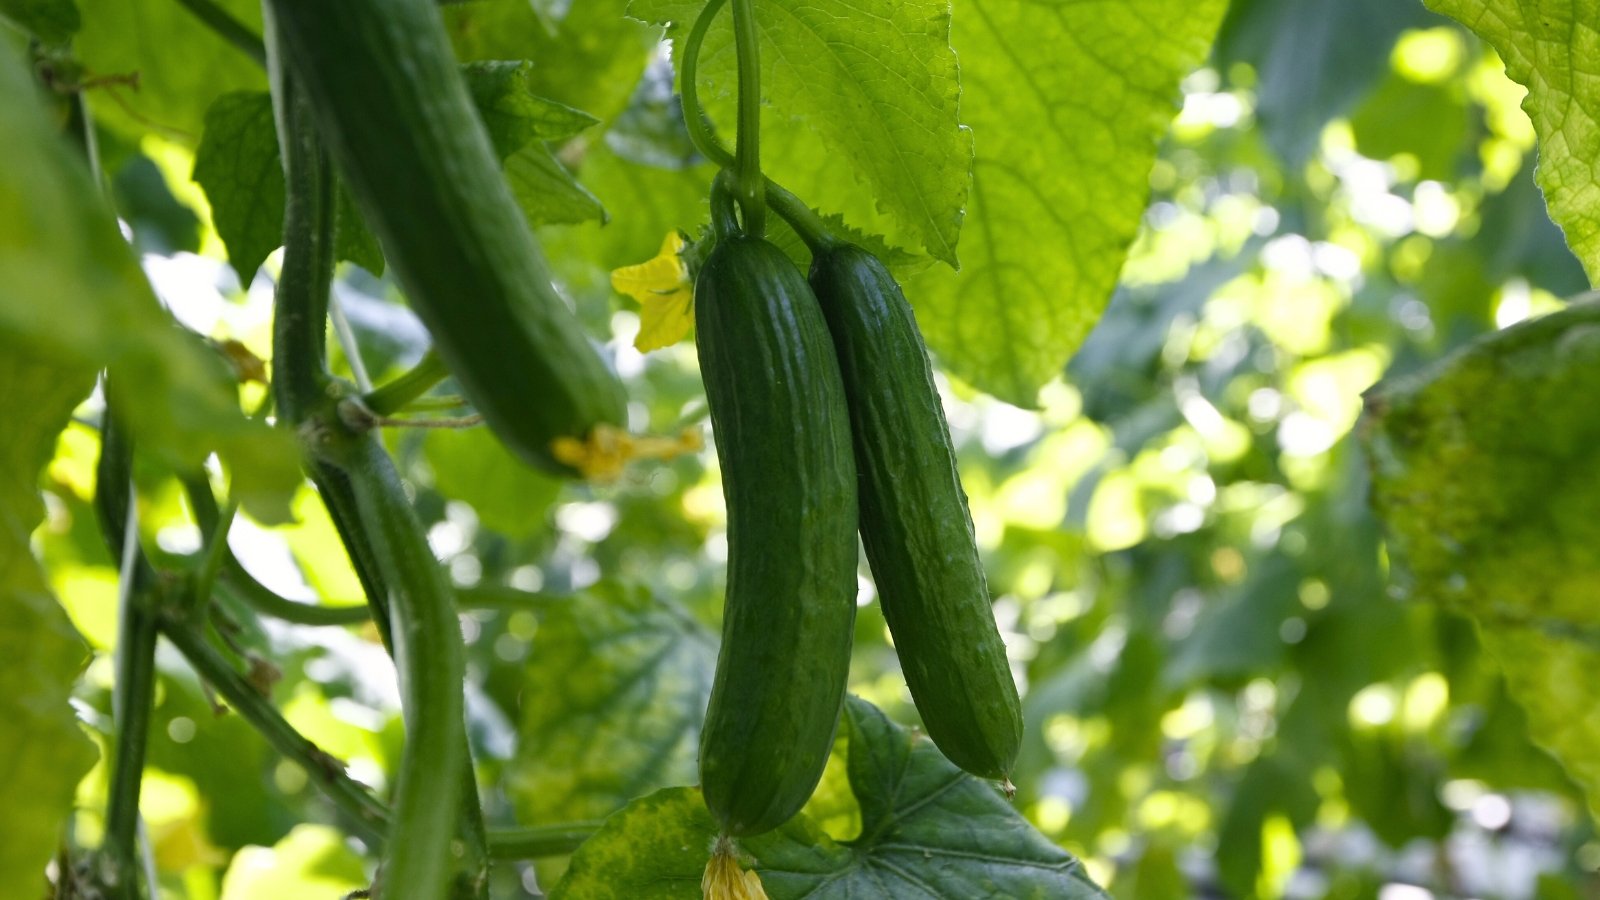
914, 518
783, 437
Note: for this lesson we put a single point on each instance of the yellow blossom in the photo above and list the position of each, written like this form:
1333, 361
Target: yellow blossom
665, 295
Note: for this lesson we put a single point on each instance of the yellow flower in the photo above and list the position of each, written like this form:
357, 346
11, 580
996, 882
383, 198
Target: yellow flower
725, 880
665, 295
607, 450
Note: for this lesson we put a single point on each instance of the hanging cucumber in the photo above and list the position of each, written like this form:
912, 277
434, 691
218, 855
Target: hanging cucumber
783, 437
389, 100
914, 518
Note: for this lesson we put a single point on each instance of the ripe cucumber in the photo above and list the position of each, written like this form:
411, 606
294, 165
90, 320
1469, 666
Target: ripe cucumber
783, 437
914, 518
391, 105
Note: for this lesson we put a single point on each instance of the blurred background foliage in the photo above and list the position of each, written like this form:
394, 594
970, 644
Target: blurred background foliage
1224, 696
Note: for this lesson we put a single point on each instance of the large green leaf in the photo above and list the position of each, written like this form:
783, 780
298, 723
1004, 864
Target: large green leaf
589, 53
872, 89
1550, 47
616, 689
1487, 473
42, 751
180, 64
72, 291
909, 795
1067, 102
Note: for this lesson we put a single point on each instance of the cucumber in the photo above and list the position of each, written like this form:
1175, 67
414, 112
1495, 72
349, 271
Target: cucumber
398, 120
914, 518
782, 433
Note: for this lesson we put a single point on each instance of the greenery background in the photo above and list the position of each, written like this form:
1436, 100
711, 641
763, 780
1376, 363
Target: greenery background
1226, 695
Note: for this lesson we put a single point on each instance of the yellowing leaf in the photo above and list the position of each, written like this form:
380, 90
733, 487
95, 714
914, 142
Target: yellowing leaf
664, 293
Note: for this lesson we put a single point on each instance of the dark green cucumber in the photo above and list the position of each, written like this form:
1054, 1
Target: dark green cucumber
783, 437
914, 518
391, 105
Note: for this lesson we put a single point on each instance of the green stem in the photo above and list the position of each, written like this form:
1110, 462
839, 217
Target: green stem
240, 584
228, 28
694, 115
747, 151
546, 840
805, 222
133, 691
299, 326
724, 224
428, 656
363, 494
401, 392
367, 815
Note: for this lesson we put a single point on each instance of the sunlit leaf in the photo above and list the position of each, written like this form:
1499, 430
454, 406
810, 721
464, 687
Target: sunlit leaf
72, 291
1549, 47
873, 89
1067, 103
43, 753
1487, 474
179, 64
507, 495
909, 794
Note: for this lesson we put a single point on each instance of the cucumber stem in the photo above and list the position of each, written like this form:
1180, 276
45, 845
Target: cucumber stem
747, 151
805, 222
390, 398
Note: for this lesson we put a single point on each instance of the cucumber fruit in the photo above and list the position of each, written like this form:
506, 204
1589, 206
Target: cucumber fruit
914, 518
783, 437
391, 105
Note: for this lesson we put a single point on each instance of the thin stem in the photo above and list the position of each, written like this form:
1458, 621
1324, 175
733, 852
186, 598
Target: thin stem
133, 691
299, 342
694, 115
228, 28
350, 346
805, 222
747, 152
545, 840
408, 387
723, 222
216, 555
366, 814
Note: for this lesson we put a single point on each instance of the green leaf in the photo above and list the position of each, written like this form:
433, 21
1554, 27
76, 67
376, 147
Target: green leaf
1486, 470
1549, 47
52, 21
72, 291
239, 167
873, 90
511, 111
1067, 102
1552, 676
180, 64
657, 847
508, 496
43, 753
616, 688
589, 56
546, 191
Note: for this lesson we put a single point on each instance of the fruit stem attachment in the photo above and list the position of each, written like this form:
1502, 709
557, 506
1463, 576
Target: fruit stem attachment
410, 385
747, 151
807, 223
724, 223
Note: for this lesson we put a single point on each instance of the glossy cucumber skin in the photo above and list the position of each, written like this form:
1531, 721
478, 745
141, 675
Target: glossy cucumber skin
390, 103
914, 518
782, 433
